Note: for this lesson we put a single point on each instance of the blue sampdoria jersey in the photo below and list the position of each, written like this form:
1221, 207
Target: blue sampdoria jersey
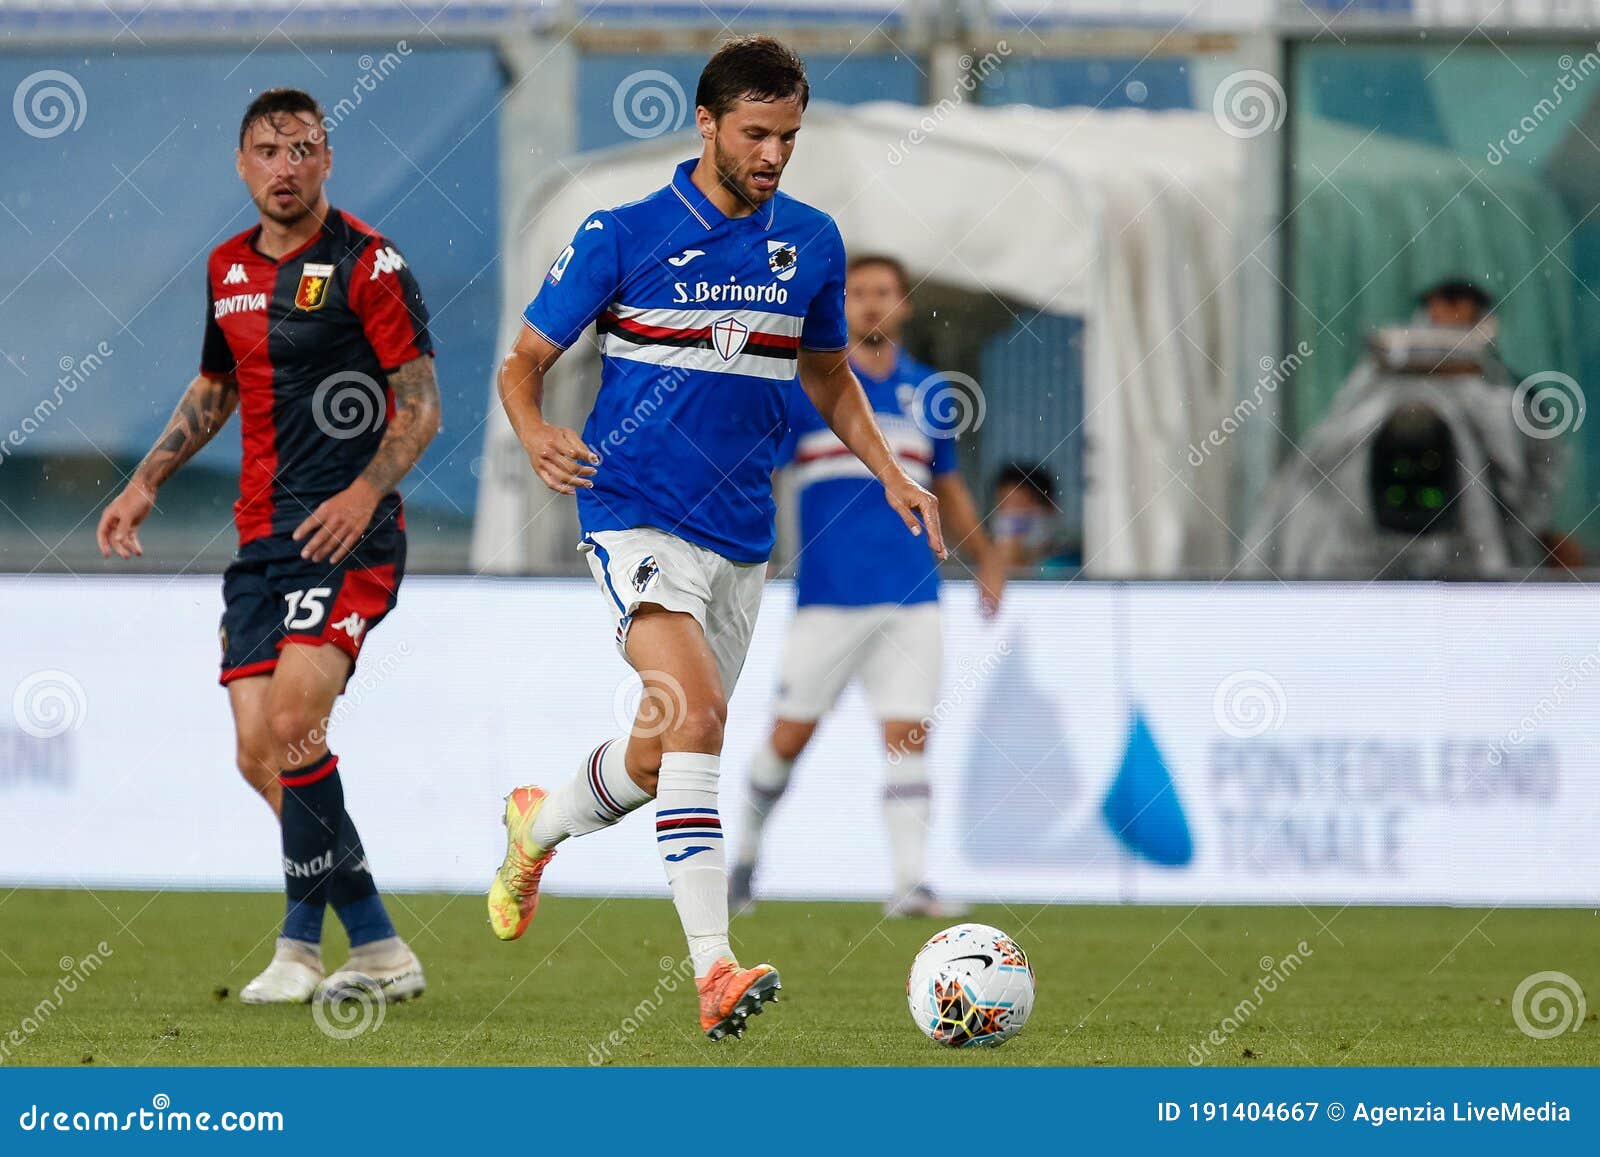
854, 550
700, 321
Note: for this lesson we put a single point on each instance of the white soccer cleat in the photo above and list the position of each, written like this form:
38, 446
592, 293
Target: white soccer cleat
387, 966
291, 978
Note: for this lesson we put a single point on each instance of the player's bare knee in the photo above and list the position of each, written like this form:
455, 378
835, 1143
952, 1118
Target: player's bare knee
901, 739
790, 736
701, 726
296, 727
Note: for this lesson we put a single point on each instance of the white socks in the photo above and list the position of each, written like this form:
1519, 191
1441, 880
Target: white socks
689, 838
769, 776
905, 814
598, 796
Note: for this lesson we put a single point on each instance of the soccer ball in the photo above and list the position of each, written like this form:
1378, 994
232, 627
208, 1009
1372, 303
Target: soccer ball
970, 985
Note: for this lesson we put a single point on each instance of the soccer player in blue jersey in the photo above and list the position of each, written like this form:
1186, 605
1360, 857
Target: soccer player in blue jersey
867, 592
709, 296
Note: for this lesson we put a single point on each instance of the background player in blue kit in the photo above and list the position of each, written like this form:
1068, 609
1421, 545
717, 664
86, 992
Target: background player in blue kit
316, 332
868, 595
709, 296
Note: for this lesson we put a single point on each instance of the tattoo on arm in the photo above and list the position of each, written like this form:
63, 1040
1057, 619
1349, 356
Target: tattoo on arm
415, 422
202, 411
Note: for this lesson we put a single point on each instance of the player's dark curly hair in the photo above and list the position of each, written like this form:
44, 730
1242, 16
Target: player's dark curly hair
751, 68
275, 101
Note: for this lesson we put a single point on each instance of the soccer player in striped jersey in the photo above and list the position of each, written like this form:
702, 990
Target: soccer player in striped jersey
316, 333
868, 595
710, 296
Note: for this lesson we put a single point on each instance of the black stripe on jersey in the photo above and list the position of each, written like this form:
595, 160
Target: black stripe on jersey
752, 346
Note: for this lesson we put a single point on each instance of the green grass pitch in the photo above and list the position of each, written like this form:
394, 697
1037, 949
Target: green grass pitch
1116, 986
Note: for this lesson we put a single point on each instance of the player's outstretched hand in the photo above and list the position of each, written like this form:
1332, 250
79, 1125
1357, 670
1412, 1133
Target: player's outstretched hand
560, 458
119, 523
335, 527
917, 508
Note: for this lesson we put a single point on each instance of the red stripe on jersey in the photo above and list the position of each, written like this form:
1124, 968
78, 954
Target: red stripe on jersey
379, 300
252, 513
757, 337
845, 451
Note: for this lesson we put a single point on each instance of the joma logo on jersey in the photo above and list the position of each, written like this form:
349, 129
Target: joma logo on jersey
238, 303
386, 260
313, 291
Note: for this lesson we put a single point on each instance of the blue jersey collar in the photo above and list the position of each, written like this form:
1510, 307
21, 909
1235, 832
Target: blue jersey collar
700, 206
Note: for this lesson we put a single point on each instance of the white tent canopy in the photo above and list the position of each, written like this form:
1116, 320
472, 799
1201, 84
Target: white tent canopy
1121, 217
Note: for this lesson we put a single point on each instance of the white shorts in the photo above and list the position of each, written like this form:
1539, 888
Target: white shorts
896, 651
645, 565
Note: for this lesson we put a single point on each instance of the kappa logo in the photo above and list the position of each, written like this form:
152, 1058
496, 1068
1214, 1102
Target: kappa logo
313, 290
783, 259
645, 573
236, 275
386, 260
728, 336
352, 625
685, 257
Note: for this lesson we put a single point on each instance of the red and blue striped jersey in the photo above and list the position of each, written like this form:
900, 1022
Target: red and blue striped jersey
310, 338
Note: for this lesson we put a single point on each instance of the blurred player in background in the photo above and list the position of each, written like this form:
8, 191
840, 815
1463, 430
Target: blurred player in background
868, 592
711, 295
316, 332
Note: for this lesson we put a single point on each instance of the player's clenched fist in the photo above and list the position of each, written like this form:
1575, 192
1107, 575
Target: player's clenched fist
119, 522
560, 457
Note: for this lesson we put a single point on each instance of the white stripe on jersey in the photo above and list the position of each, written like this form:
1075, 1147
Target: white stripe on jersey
820, 455
706, 360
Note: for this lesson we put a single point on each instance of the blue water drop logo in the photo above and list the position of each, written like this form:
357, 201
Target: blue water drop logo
1142, 805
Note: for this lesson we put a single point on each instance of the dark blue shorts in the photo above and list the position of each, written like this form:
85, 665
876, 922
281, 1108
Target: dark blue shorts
271, 596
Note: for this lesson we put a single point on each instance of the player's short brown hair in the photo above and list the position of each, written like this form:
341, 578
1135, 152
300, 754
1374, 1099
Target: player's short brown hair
751, 68
863, 260
275, 101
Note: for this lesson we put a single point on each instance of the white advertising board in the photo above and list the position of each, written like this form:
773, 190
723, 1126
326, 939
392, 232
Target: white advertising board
1184, 744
